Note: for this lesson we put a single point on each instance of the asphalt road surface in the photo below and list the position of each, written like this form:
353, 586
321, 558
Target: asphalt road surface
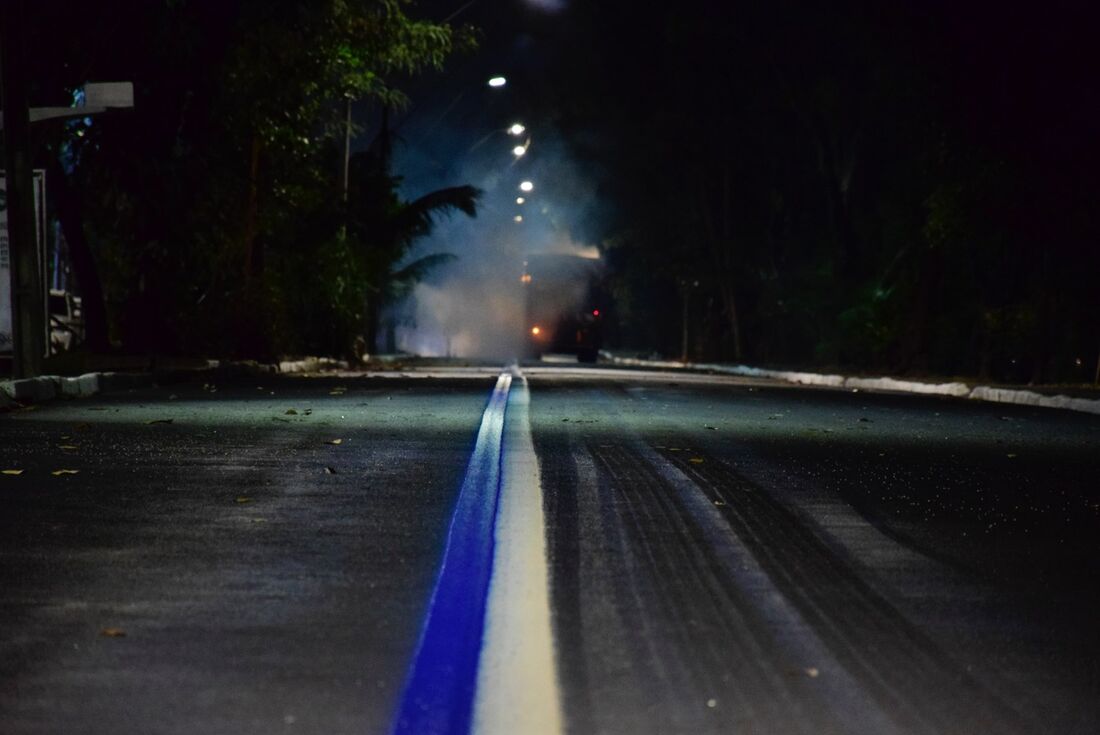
561, 549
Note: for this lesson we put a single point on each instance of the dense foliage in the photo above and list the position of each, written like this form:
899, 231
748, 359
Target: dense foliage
213, 216
902, 186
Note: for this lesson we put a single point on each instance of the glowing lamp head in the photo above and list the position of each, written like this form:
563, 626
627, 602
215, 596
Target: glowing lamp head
526, 186
519, 151
536, 331
516, 129
497, 82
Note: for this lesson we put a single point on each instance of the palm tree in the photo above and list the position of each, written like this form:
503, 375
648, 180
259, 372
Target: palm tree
384, 227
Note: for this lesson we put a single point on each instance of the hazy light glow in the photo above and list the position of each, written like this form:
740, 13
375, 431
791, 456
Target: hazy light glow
525, 278
519, 150
550, 6
526, 186
536, 331
516, 129
497, 82
520, 200
518, 218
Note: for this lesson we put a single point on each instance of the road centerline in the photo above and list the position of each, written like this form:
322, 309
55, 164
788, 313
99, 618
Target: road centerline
439, 691
517, 689
485, 660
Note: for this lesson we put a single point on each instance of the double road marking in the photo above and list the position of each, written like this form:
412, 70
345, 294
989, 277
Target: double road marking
485, 659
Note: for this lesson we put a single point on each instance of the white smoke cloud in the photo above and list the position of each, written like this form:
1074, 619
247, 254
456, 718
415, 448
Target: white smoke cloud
474, 306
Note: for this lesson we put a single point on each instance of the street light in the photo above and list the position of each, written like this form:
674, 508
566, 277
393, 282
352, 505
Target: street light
526, 186
497, 82
519, 150
520, 200
516, 129
518, 218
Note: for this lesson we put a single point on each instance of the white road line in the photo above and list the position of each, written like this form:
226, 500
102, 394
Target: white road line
517, 685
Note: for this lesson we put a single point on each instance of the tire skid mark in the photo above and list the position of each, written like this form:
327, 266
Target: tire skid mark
618, 682
915, 680
561, 485
639, 563
719, 635
665, 560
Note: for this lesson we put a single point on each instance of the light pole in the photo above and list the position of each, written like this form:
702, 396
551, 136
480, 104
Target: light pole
347, 145
686, 284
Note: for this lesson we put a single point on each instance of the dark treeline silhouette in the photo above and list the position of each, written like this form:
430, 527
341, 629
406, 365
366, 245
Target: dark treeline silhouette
862, 185
214, 218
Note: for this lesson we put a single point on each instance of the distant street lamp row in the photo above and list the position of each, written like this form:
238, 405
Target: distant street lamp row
518, 151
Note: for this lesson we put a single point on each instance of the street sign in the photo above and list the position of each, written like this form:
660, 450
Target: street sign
5, 256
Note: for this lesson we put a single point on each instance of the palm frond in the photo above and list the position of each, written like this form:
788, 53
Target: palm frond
402, 280
416, 218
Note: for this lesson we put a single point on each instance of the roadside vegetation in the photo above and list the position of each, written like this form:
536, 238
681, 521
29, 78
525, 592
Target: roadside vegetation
218, 216
906, 187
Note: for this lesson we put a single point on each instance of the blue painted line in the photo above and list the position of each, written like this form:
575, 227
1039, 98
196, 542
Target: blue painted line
439, 692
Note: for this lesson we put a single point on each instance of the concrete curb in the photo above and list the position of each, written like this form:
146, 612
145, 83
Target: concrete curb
48, 387
16, 393
310, 365
958, 390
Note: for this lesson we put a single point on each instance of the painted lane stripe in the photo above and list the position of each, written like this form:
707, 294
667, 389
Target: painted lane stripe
439, 692
517, 685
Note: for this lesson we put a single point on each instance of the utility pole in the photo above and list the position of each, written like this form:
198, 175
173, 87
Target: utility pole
28, 310
686, 285
347, 145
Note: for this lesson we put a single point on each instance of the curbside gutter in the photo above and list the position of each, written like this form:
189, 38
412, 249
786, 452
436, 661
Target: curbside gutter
17, 393
957, 390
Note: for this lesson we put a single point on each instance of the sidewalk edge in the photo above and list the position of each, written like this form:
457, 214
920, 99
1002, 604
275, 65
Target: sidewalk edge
985, 393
